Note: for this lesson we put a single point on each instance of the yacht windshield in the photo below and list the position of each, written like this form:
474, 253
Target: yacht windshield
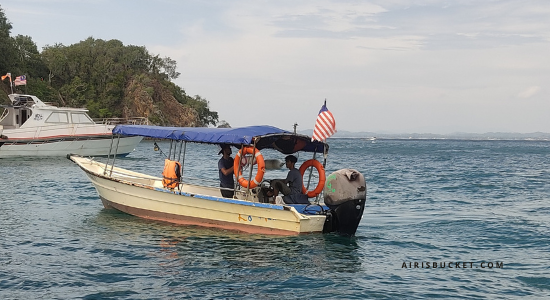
81, 118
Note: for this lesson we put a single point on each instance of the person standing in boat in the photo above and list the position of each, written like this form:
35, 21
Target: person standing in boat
225, 167
291, 187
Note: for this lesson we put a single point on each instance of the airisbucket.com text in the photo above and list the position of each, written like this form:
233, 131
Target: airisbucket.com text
452, 265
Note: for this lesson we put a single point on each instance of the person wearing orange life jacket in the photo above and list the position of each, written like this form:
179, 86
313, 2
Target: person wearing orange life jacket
225, 167
171, 174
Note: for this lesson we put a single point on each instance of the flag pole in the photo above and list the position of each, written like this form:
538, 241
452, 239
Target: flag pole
325, 126
9, 76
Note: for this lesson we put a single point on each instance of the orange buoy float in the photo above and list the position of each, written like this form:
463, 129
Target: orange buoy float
259, 160
317, 165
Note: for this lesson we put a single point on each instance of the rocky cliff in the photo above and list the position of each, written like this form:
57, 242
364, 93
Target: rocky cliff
145, 97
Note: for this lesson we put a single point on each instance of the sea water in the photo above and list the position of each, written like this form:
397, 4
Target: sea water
444, 219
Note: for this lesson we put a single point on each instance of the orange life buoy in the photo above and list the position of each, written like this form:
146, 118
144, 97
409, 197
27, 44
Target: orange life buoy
258, 157
317, 165
172, 173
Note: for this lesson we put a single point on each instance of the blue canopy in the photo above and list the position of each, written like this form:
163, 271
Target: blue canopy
265, 136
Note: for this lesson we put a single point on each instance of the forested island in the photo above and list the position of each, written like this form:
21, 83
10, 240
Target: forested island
106, 77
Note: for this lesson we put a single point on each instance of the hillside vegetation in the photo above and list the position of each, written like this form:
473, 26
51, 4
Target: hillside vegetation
107, 77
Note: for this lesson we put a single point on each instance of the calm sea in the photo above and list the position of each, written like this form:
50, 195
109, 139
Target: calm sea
444, 219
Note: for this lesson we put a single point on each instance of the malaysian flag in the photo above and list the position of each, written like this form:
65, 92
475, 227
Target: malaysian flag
20, 80
324, 126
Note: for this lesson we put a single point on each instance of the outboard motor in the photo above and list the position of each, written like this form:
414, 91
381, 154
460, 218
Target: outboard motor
345, 193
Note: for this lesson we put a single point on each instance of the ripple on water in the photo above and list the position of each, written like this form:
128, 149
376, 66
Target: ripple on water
428, 201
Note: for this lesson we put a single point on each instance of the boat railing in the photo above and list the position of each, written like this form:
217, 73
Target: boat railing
55, 129
123, 121
29, 133
4, 114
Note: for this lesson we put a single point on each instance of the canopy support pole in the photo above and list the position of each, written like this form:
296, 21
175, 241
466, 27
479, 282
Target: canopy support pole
109, 155
114, 156
251, 169
310, 173
183, 158
170, 149
325, 154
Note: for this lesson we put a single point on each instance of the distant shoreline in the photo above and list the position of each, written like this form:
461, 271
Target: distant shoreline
440, 139
504, 136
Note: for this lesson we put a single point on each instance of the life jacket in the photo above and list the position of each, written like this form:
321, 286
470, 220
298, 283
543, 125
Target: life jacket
172, 173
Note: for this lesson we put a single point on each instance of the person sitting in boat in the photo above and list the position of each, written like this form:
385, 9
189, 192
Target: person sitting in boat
225, 167
292, 193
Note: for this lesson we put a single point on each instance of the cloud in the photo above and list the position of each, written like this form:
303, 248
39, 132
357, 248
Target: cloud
395, 65
529, 92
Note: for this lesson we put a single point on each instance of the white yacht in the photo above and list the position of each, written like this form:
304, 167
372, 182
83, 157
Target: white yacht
31, 127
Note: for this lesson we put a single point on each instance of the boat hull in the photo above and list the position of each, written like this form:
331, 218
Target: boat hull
143, 196
98, 145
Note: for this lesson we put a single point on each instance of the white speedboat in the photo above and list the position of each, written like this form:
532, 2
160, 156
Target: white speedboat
34, 128
252, 208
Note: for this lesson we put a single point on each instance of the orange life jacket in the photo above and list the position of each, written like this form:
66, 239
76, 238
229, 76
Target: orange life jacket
171, 174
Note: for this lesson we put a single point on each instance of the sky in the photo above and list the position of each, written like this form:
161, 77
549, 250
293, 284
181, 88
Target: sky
386, 66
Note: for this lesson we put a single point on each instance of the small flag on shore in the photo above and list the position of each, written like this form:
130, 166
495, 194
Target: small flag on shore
325, 126
6, 76
20, 80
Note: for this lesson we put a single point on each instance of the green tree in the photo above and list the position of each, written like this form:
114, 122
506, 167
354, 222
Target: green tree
29, 61
206, 117
56, 62
96, 74
223, 124
8, 55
